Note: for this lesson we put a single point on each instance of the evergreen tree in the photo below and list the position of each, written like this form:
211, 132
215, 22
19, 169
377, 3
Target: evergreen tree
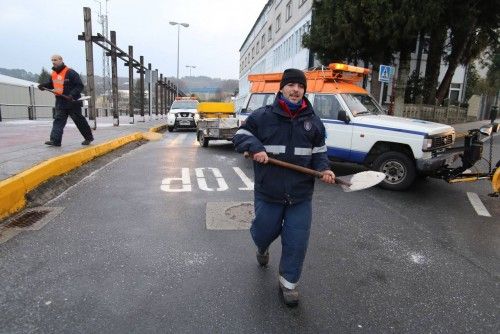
44, 76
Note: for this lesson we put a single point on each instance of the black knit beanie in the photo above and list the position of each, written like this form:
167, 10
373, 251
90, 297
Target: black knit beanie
293, 75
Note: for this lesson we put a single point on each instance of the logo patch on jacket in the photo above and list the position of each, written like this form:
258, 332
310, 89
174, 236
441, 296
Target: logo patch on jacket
307, 125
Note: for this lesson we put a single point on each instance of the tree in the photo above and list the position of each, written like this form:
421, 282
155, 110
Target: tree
474, 31
44, 76
372, 31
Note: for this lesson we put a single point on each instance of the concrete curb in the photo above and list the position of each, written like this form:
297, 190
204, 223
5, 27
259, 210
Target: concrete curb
14, 189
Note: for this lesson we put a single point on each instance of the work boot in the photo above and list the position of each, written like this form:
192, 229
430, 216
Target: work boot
263, 258
87, 141
52, 143
290, 296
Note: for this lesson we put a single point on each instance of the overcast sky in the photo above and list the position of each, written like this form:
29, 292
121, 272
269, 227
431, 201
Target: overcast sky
31, 31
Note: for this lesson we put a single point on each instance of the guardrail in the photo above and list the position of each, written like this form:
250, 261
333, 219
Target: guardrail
30, 111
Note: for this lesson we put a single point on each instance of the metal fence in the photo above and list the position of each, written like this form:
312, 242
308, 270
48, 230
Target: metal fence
25, 111
446, 115
10, 111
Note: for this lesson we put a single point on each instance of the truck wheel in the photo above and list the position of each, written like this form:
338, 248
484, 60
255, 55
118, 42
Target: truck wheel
170, 128
202, 139
398, 168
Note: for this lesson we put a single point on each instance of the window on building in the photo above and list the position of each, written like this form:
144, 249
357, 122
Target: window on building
270, 32
288, 10
278, 22
253, 52
263, 40
302, 2
258, 47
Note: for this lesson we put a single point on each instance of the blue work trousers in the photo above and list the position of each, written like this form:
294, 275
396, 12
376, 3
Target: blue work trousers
293, 223
60, 120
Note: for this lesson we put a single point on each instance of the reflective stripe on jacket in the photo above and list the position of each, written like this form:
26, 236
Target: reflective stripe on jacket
299, 140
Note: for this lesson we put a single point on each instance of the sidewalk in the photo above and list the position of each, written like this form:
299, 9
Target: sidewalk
26, 162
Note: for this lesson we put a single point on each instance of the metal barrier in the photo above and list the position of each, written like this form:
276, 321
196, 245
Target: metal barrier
28, 111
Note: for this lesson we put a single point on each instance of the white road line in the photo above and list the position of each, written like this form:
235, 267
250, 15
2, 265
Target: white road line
478, 205
246, 180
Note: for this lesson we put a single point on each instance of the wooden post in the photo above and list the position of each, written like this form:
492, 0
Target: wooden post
131, 83
150, 95
161, 94
89, 60
114, 80
156, 94
141, 84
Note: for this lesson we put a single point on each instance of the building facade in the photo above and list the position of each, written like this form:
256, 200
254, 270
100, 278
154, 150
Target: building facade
275, 43
275, 40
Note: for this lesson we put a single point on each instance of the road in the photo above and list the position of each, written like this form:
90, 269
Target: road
130, 251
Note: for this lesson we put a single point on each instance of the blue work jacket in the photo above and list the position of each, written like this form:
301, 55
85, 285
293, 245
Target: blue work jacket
299, 140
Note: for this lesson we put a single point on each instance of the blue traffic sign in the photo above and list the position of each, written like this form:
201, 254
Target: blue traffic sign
385, 73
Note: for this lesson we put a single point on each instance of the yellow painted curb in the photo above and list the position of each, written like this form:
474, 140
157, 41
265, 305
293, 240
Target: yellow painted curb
14, 189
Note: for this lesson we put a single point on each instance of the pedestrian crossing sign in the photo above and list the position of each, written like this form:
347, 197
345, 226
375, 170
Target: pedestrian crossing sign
385, 73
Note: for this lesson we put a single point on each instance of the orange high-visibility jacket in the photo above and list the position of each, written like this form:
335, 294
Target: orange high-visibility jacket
58, 80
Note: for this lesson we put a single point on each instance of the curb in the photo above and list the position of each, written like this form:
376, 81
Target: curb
14, 189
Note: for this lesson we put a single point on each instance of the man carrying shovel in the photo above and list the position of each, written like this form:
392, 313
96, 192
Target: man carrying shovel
290, 131
67, 86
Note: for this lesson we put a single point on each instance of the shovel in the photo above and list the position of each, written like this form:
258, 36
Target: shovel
348, 183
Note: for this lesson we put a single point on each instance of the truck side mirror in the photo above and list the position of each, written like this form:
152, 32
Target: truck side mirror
342, 116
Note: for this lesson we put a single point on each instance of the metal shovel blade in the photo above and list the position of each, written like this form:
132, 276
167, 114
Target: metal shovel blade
361, 180
83, 98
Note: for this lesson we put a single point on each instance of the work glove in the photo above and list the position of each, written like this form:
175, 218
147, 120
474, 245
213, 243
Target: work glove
41, 87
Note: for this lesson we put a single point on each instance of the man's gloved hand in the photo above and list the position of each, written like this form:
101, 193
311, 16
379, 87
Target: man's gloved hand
68, 97
41, 87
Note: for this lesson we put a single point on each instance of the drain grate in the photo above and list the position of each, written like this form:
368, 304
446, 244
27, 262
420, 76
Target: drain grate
27, 219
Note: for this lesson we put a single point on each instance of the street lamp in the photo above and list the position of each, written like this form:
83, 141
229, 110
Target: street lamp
185, 25
190, 67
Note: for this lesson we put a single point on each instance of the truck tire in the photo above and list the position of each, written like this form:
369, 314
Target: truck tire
202, 139
170, 128
399, 170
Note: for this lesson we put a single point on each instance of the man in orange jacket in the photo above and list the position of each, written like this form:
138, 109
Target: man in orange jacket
66, 84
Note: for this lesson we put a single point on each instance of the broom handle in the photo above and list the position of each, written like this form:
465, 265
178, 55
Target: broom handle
301, 169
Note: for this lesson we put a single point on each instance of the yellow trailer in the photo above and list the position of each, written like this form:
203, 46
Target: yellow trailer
217, 121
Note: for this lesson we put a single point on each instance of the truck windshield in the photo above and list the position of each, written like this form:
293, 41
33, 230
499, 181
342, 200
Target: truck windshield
361, 104
184, 104
259, 100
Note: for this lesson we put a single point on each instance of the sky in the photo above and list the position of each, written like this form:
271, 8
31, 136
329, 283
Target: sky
32, 30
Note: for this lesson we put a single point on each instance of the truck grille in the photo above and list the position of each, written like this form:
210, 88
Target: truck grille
442, 141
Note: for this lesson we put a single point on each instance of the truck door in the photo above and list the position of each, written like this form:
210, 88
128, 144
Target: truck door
338, 133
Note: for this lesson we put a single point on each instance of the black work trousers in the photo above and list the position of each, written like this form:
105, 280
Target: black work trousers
60, 122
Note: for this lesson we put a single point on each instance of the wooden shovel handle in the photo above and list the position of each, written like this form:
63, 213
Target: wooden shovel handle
300, 169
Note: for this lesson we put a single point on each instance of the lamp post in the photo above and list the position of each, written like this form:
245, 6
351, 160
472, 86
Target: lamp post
190, 67
185, 25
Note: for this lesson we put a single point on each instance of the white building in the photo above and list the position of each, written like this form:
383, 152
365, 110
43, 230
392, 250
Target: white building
17, 95
275, 43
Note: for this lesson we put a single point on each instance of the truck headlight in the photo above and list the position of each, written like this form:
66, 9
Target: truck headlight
427, 144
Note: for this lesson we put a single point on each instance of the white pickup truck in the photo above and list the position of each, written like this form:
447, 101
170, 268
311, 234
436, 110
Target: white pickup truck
183, 114
359, 131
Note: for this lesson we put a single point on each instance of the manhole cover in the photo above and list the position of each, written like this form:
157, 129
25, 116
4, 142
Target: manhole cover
229, 215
